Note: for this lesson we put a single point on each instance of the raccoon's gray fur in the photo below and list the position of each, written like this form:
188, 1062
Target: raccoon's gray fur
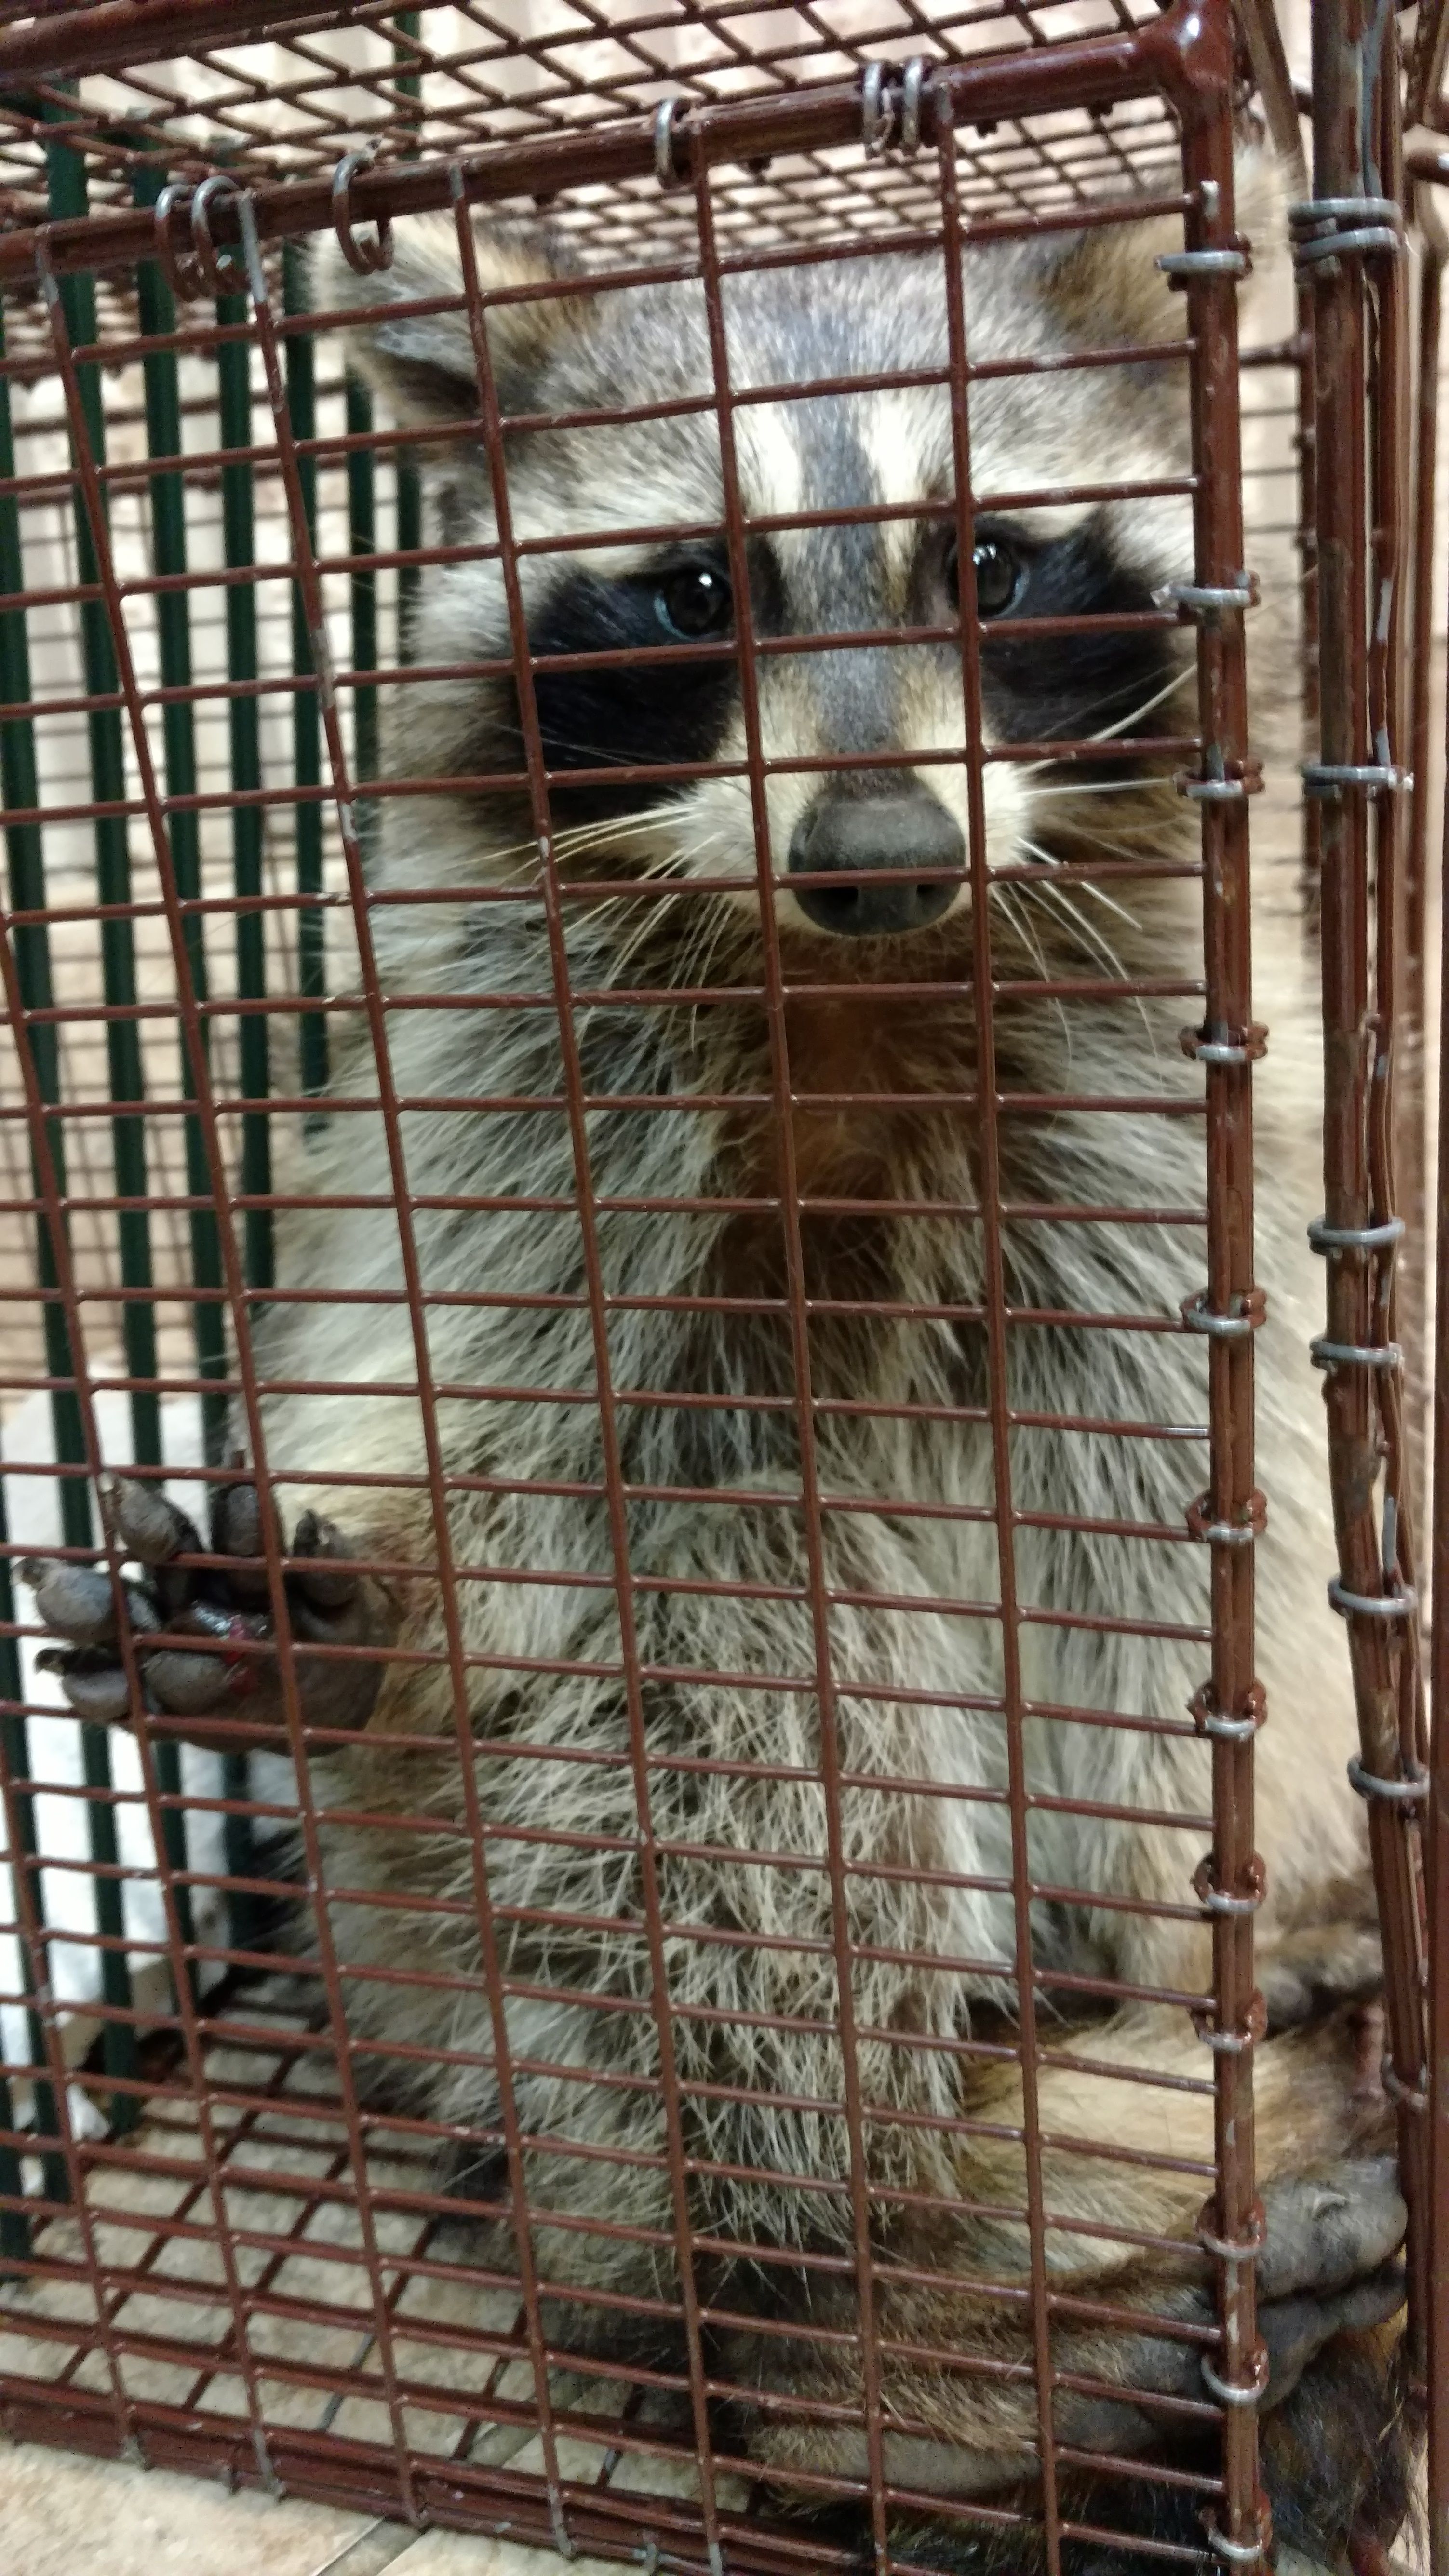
688, 1194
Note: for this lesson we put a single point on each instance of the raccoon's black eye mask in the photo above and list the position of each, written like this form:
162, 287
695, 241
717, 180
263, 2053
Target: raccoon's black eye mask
678, 711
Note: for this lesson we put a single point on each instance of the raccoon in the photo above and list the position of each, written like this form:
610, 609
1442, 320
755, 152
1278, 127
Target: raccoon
667, 1735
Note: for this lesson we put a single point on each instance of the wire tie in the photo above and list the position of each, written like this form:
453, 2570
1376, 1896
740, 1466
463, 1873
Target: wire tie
363, 256
1230, 2392
877, 110
1251, 1310
1232, 2043
1377, 1355
664, 116
183, 276
1216, 791
1188, 264
1241, 2553
1232, 2249
1245, 1047
1410, 2097
1230, 1533
913, 81
1326, 1238
1208, 1888
1330, 778
1398, 1793
1212, 599
1403, 1604
218, 270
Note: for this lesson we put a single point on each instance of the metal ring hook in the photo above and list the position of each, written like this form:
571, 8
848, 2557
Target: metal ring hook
219, 271
877, 110
365, 257
913, 82
664, 116
179, 267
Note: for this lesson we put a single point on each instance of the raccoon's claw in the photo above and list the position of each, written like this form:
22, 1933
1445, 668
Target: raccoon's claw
226, 1611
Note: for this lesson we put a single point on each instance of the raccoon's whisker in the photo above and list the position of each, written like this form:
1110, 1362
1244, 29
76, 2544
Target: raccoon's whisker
1015, 913
1124, 724
1087, 886
1099, 947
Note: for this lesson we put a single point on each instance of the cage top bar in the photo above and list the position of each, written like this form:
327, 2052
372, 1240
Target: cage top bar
1183, 56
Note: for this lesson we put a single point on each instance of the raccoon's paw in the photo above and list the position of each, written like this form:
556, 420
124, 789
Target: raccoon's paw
204, 1638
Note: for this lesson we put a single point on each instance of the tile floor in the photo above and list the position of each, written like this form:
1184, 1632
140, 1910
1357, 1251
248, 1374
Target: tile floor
63, 2516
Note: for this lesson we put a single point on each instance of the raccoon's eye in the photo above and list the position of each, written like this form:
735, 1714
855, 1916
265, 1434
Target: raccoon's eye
998, 576
694, 602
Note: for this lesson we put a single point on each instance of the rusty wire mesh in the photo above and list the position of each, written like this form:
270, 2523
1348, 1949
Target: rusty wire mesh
229, 2242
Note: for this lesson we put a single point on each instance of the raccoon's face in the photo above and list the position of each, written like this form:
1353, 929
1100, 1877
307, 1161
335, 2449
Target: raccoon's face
836, 562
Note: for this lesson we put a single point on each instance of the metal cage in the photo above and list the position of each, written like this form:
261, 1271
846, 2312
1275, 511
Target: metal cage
222, 2245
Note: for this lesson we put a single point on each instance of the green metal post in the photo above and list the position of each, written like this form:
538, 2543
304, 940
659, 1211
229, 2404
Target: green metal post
20, 787
409, 480
68, 199
239, 540
362, 540
306, 717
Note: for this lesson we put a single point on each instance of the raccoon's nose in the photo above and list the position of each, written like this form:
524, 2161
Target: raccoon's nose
907, 831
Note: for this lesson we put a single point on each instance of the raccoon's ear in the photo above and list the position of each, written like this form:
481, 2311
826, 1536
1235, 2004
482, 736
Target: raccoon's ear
422, 363
1106, 284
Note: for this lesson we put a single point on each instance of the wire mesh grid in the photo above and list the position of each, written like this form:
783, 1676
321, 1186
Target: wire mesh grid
534, 2037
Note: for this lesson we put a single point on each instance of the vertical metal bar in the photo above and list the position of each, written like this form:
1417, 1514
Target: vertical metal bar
1415, 1076
234, 391
1306, 447
1372, 1567
995, 1301
157, 306
790, 1218
614, 1481
409, 484
306, 728
15, 1762
25, 870
1436, 1834
362, 540
1218, 543
167, 498
236, 1284
68, 197
234, 406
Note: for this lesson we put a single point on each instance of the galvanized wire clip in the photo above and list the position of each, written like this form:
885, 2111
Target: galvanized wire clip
220, 272
1219, 787
1329, 228
1410, 2097
1376, 778
1232, 2249
1326, 1238
178, 267
1229, 2392
1372, 1355
1210, 1891
877, 110
1207, 599
664, 116
1242, 2553
1229, 1728
1242, 1046
1249, 1311
1233, 1533
363, 256
1403, 1604
1232, 2043
1395, 1793
1180, 267
913, 82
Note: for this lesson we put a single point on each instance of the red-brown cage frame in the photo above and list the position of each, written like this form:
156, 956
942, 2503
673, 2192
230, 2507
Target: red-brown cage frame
1353, 311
